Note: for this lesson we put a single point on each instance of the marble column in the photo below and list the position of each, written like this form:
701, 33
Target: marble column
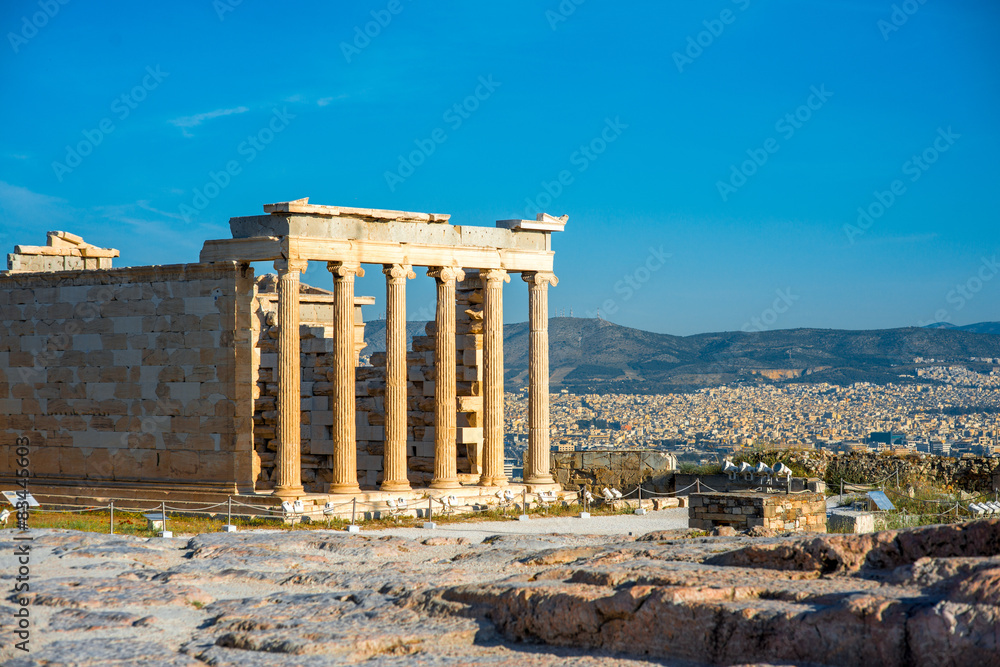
493, 280
445, 401
536, 464
394, 461
345, 446
288, 466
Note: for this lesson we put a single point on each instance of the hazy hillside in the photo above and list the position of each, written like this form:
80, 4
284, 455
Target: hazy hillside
595, 355
979, 327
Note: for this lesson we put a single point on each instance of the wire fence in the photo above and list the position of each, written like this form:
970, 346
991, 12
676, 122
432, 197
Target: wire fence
158, 514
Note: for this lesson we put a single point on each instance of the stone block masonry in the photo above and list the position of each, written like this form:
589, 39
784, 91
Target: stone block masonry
803, 512
617, 469
62, 252
131, 375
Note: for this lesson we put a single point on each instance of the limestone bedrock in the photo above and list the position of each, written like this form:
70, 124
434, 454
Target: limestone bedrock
923, 596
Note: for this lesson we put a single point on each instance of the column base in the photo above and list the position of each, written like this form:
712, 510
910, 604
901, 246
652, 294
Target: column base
344, 488
395, 486
540, 479
289, 491
493, 481
450, 483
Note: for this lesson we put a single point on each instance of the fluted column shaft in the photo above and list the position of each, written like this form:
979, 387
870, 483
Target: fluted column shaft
288, 467
394, 463
445, 401
345, 452
536, 464
493, 280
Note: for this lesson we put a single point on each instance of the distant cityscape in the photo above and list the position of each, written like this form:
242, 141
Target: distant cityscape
951, 411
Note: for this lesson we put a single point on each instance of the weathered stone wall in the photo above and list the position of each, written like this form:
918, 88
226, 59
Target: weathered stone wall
979, 474
743, 511
620, 469
125, 376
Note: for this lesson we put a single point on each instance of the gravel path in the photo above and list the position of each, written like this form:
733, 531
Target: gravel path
619, 524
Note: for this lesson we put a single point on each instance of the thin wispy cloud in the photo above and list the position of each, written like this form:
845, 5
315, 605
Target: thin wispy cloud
899, 240
19, 204
185, 122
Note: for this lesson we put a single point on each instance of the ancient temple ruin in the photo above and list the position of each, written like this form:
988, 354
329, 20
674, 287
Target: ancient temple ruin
207, 379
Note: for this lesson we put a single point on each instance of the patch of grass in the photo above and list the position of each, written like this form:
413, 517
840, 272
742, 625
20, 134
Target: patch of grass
688, 468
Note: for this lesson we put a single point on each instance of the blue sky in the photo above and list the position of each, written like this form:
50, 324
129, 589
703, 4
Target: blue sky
695, 204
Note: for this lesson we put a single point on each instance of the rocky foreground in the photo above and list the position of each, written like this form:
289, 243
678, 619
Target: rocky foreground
927, 596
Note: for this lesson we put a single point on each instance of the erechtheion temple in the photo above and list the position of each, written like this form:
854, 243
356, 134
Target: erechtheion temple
202, 379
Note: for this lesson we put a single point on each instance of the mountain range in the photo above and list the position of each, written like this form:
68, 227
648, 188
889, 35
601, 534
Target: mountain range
596, 356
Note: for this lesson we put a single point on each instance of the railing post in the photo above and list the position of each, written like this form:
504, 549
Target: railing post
229, 511
112, 517
354, 509
163, 514
697, 484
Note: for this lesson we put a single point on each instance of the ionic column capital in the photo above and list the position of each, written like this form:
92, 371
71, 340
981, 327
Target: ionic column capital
494, 275
396, 273
446, 274
345, 269
291, 265
535, 278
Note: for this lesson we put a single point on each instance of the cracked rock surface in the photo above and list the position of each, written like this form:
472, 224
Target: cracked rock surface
925, 596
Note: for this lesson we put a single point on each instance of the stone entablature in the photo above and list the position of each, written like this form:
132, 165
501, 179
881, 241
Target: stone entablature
63, 252
803, 512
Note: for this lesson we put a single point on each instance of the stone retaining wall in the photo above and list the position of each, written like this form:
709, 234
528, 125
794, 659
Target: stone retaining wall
974, 474
743, 511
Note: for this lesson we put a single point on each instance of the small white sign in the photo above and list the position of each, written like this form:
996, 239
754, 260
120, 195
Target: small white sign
18, 496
